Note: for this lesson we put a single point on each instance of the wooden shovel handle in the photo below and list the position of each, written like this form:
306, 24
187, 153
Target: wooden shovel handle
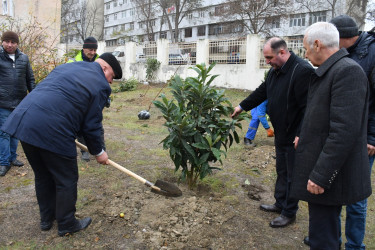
121, 168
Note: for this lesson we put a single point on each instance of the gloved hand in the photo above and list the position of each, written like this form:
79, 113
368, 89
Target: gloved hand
270, 132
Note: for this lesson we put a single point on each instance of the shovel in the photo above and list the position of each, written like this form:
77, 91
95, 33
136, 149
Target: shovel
160, 187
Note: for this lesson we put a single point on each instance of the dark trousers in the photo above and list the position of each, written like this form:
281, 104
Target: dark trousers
324, 227
82, 140
284, 170
56, 178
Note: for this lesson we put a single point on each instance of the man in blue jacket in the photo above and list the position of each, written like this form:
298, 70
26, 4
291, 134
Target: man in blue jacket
70, 100
16, 78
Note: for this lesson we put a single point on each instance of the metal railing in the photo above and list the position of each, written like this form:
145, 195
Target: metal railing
182, 53
228, 51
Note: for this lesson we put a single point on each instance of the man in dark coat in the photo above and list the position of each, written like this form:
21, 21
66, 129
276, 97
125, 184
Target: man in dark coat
16, 78
331, 164
88, 54
70, 100
361, 48
286, 90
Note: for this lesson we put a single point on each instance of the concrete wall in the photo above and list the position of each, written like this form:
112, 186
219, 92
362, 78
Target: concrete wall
242, 76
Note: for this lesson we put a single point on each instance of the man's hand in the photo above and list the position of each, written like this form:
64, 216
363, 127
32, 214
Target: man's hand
236, 111
370, 150
313, 188
102, 159
296, 142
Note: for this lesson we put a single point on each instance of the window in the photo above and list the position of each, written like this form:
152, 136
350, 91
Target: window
132, 12
297, 20
201, 14
201, 30
188, 32
107, 6
5, 7
115, 16
152, 23
140, 25
319, 16
275, 22
125, 1
131, 26
114, 3
123, 14
122, 27
190, 16
219, 10
107, 19
163, 35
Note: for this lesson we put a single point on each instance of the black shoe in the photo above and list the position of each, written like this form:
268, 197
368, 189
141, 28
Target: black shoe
270, 208
17, 163
46, 225
4, 170
85, 156
282, 221
81, 224
248, 142
306, 240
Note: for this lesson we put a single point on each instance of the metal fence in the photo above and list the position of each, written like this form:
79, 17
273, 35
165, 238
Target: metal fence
228, 51
149, 50
182, 53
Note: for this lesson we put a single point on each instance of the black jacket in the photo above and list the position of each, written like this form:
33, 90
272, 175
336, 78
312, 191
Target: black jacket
332, 147
16, 78
363, 52
286, 91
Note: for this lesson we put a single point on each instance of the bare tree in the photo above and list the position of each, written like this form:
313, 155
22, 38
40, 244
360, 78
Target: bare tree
174, 11
84, 18
256, 16
358, 10
146, 14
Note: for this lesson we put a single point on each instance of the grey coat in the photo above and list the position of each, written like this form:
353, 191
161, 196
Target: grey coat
332, 149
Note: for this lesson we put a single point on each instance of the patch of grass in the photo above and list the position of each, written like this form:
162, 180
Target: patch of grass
83, 198
25, 182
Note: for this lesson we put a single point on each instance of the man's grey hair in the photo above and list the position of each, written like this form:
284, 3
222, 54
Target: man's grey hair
326, 33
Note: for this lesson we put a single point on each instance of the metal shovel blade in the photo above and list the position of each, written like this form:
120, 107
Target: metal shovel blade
166, 189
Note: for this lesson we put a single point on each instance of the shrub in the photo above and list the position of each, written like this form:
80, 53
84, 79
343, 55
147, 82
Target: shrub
152, 65
127, 85
199, 130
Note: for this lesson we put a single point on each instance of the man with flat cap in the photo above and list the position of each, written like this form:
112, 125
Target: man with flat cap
70, 100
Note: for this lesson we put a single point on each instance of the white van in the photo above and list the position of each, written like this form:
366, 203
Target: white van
119, 53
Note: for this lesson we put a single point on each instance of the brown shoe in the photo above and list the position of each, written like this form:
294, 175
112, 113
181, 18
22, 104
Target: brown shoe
282, 221
270, 208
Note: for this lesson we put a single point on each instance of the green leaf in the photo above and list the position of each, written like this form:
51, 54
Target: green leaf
217, 153
201, 145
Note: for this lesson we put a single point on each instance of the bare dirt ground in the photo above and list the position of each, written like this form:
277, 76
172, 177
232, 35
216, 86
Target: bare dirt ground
221, 213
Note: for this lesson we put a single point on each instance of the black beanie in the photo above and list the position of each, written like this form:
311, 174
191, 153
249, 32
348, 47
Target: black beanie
346, 26
90, 43
10, 36
112, 61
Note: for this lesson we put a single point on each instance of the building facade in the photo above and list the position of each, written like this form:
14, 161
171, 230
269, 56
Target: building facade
125, 20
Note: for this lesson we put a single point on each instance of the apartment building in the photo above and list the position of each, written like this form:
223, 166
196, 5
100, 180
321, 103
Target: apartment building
123, 20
